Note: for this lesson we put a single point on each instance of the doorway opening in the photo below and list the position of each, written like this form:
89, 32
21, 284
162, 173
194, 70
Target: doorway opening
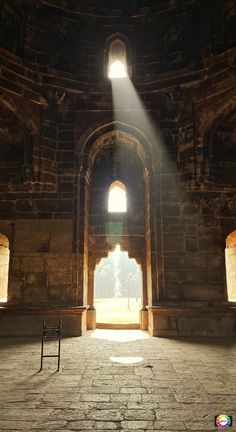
230, 262
4, 267
117, 289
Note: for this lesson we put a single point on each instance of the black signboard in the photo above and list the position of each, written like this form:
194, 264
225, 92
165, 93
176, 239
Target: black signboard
51, 332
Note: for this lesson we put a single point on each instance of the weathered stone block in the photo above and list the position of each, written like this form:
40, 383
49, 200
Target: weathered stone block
171, 210
198, 261
59, 263
191, 244
59, 278
32, 264
175, 262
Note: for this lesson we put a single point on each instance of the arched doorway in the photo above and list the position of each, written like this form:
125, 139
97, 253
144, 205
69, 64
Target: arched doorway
119, 152
117, 289
4, 267
230, 262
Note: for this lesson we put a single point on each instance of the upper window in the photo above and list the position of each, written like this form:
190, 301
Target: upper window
117, 62
117, 201
116, 55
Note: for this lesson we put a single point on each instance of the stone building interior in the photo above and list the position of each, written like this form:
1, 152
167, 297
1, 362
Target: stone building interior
118, 134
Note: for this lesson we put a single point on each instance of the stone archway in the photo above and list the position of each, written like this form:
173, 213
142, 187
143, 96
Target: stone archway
142, 245
118, 290
4, 267
230, 263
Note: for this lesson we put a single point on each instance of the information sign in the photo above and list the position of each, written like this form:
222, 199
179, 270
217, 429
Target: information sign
51, 332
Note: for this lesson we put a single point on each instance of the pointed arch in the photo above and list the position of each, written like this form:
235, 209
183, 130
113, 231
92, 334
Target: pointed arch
230, 262
117, 50
4, 267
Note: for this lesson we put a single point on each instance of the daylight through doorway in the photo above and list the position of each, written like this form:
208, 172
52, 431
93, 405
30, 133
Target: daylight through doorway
117, 289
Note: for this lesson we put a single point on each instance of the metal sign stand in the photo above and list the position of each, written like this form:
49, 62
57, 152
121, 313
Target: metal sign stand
51, 332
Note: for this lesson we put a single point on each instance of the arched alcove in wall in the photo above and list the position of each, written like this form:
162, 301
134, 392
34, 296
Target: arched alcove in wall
216, 138
230, 263
118, 152
4, 267
16, 142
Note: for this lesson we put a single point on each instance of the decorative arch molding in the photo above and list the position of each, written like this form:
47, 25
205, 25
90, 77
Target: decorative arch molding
93, 137
131, 254
4, 242
231, 240
208, 126
93, 140
11, 104
219, 111
20, 138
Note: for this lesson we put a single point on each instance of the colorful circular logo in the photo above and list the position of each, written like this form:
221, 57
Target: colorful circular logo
223, 421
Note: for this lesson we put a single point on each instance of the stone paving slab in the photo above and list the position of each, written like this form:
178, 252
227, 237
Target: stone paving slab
117, 380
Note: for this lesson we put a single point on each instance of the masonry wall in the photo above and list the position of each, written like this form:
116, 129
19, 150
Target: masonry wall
55, 94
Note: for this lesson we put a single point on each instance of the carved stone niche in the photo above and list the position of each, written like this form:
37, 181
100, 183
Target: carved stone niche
15, 148
222, 166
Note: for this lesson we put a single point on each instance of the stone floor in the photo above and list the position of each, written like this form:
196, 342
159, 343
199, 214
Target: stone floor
117, 380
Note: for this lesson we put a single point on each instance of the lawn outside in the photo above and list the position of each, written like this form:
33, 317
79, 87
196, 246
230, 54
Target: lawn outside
116, 311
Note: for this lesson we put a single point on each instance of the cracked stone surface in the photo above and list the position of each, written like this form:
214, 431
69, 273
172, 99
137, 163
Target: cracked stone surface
117, 380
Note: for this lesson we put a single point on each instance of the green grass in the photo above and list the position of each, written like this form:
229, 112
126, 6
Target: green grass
116, 311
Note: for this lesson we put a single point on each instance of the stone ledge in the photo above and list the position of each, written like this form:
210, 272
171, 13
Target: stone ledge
176, 321
16, 321
192, 310
15, 310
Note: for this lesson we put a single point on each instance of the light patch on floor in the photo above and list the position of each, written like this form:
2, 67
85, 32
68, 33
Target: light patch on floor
119, 335
126, 360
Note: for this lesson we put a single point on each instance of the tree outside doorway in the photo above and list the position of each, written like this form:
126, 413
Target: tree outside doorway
117, 284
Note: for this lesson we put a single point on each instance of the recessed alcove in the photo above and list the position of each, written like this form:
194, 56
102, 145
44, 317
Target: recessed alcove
230, 262
15, 147
4, 267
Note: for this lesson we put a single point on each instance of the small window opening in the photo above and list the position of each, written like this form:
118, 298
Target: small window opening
4, 267
117, 60
230, 262
117, 200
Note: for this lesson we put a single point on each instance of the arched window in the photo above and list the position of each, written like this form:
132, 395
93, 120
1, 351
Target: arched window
4, 267
117, 60
117, 201
117, 57
230, 261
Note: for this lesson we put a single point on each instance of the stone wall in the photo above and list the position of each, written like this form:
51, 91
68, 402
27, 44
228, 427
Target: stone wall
43, 270
55, 99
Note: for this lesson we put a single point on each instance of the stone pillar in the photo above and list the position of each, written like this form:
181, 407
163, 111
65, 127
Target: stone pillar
151, 262
82, 245
143, 313
91, 312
